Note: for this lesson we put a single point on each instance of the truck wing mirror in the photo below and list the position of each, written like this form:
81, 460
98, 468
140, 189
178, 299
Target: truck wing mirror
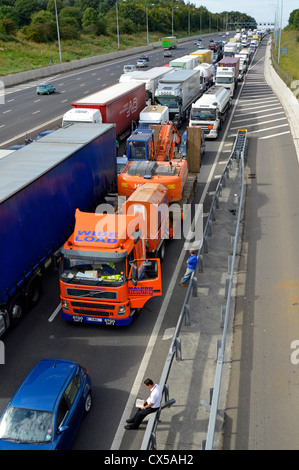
134, 274
56, 257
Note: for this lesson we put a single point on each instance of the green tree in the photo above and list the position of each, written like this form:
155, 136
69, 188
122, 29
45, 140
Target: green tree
24, 9
71, 15
8, 12
294, 20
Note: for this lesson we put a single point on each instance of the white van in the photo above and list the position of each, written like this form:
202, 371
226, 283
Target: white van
81, 115
129, 68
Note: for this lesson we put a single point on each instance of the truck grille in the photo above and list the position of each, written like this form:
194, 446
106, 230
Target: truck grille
91, 294
82, 308
204, 129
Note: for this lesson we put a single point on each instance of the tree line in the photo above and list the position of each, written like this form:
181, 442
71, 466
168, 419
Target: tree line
36, 19
294, 20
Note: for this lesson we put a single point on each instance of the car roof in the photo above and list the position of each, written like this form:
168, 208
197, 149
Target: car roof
43, 384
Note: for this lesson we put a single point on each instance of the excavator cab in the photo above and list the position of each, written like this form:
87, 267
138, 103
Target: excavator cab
140, 145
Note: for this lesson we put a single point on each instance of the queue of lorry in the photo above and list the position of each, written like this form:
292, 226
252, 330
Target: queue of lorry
109, 266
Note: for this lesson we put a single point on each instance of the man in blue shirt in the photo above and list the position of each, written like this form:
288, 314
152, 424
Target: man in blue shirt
191, 267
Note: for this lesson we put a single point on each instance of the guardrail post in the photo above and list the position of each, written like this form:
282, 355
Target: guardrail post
223, 311
187, 315
194, 287
200, 264
178, 349
227, 281
209, 228
205, 245
229, 263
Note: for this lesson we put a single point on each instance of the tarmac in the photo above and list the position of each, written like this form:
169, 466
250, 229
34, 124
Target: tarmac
184, 425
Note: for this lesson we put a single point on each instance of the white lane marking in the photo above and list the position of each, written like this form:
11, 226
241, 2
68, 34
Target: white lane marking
257, 112
261, 123
54, 314
274, 135
262, 130
258, 117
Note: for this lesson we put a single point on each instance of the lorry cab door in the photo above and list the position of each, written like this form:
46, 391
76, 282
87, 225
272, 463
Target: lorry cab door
149, 283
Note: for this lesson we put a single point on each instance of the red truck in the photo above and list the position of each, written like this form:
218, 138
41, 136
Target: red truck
120, 104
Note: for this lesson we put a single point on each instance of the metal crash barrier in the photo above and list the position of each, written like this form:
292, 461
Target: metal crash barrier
149, 441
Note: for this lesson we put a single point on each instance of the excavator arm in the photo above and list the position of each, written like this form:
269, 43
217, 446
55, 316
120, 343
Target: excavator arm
169, 138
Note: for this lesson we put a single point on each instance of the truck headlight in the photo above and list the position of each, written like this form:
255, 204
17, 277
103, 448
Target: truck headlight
121, 310
65, 305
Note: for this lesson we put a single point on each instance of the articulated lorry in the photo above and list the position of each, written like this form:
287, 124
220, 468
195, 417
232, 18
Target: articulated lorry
41, 185
227, 73
120, 104
169, 42
178, 91
210, 111
150, 78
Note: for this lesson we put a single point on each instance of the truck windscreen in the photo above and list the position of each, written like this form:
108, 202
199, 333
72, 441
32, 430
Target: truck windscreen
198, 114
169, 101
224, 79
80, 271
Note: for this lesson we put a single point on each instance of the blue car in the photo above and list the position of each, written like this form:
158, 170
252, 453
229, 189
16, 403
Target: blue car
45, 89
47, 409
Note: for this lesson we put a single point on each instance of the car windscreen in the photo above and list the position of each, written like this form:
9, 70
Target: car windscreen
27, 426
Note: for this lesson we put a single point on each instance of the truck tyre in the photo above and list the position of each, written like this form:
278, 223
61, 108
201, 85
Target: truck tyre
34, 291
16, 309
162, 252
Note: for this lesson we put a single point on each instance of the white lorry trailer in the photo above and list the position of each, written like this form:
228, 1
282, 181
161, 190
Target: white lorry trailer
178, 91
182, 63
150, 77
210, 111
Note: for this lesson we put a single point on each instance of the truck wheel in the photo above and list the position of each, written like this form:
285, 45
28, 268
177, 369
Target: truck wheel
162, 252
34, 291
16, 309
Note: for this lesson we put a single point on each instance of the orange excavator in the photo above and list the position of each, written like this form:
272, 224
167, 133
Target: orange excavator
158, 143
152, 155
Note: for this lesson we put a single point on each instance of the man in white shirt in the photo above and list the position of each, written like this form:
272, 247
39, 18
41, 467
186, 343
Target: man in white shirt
150, 405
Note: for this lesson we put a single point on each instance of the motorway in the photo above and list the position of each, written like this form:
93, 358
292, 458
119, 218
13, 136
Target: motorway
118, 360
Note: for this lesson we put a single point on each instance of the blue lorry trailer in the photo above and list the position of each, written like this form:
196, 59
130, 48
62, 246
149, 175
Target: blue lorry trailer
41, 186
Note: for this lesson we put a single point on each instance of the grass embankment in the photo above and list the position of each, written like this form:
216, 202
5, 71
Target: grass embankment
19, 55
289, 63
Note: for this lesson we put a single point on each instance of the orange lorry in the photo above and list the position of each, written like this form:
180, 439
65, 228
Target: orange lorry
105, 275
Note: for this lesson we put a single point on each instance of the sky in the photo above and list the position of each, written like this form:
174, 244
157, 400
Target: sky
260, 10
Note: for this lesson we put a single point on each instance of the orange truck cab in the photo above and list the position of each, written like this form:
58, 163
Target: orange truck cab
105, 276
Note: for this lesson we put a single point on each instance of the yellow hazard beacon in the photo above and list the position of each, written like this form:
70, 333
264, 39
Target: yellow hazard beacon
105, 276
